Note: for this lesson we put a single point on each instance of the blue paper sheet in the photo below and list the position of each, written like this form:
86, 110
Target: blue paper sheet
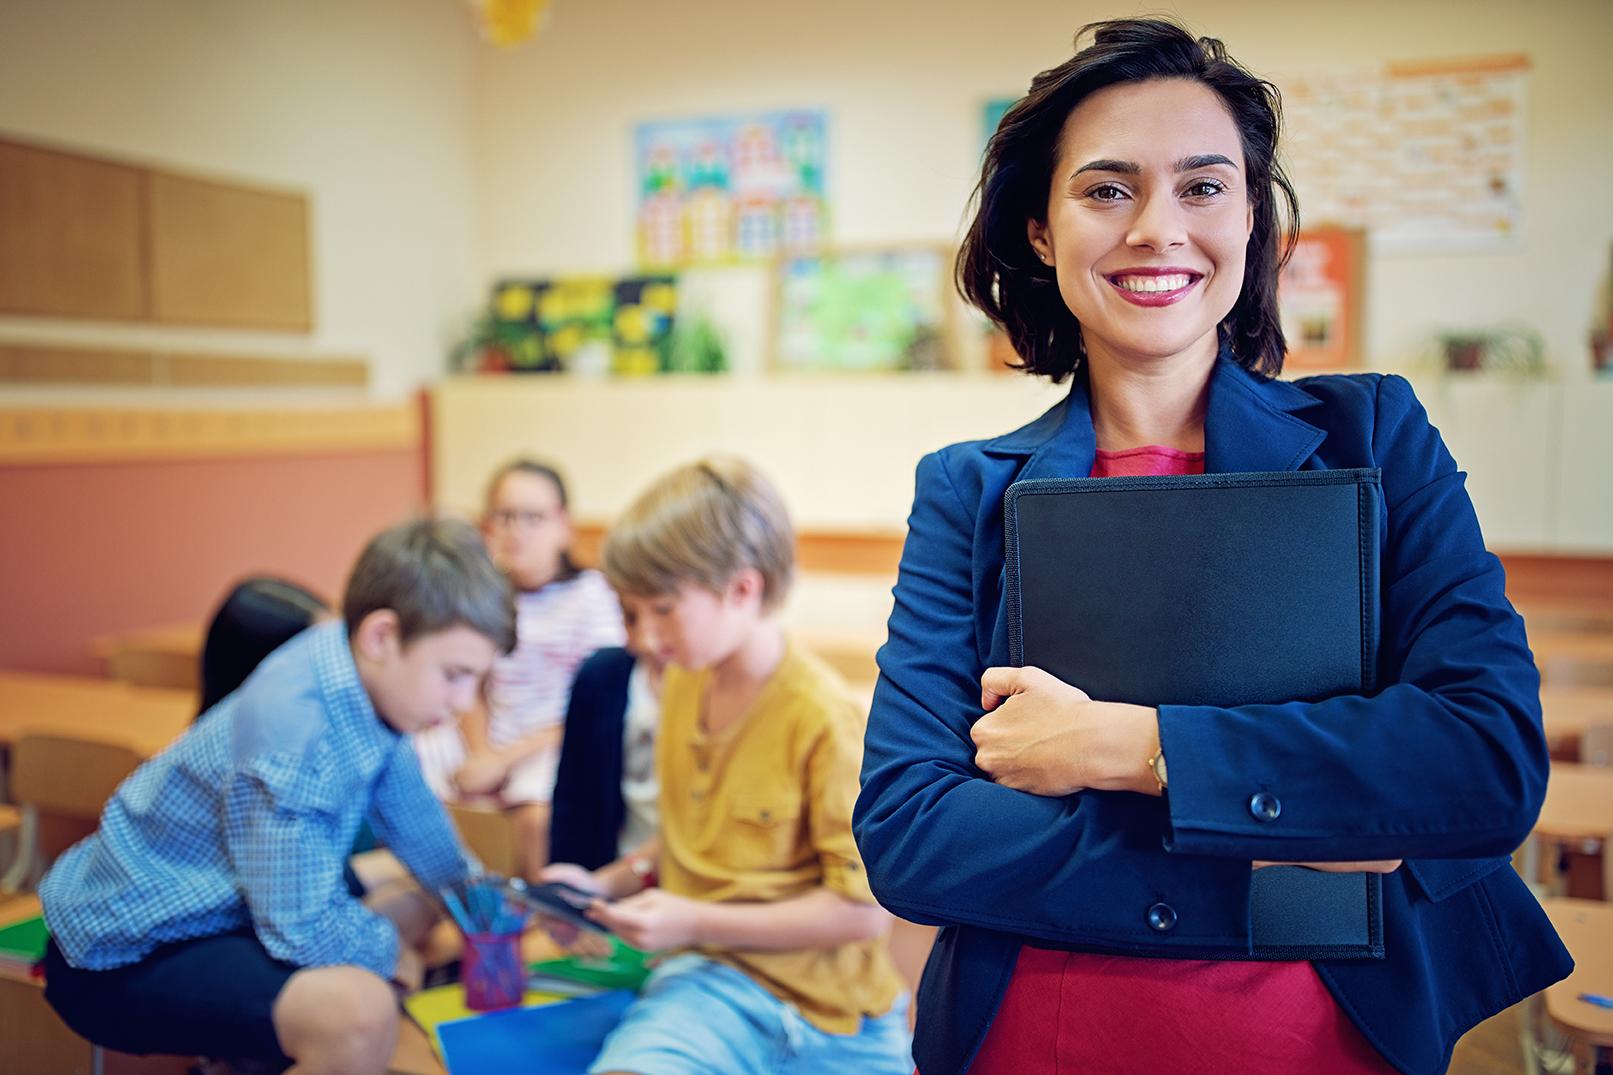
556, 1039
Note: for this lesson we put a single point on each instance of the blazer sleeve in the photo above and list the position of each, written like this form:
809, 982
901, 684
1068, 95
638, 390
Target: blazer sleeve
944, 845
1447, 760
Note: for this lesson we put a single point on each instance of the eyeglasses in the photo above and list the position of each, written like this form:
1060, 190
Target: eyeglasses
510, 519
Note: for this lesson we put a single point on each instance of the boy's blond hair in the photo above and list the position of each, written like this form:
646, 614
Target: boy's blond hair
703, 523
435, 574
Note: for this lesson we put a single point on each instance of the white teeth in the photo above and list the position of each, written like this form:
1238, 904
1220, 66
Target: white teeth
1148, 284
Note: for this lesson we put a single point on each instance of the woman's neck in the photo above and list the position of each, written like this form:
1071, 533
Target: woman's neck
1158, 402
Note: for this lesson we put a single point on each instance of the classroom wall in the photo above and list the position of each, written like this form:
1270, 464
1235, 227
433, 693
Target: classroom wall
363, 105
93, 548
904, 82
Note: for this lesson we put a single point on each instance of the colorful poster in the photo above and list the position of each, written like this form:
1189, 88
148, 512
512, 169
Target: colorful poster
588, 324
717, 191
1319, 299
867, 310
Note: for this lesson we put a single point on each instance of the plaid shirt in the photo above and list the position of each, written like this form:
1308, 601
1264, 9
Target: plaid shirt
248, 819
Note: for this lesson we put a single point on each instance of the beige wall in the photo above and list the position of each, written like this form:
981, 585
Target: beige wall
365, 105
904, 81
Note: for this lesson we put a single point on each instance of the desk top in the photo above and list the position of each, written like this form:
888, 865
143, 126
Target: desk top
1586, 927
1568, 711
146, 718
1579, 803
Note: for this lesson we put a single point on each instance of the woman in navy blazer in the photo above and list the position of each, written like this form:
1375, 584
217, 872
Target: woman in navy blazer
1129, 234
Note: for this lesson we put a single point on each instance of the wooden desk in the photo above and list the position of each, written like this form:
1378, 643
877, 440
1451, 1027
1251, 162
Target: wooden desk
1568, 711
145, 718
1586, 927
1567, 657
154, 657
1577, 819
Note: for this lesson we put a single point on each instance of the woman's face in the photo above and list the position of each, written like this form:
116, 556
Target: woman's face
1148, 219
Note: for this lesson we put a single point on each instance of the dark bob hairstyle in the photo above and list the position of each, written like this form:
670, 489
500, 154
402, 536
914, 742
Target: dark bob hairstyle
999, 272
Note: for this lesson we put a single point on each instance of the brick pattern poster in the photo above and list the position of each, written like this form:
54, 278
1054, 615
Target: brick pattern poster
1423, 156
718, 191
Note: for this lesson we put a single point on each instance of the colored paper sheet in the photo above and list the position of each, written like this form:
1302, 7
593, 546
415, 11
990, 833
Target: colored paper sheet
555, 1039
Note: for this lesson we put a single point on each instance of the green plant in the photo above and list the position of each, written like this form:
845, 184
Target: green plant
492, 345
696, 347
1515, 349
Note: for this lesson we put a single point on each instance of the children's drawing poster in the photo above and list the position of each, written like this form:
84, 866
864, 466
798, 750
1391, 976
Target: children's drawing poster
1425, 156
715, 191
589, 324
881, 309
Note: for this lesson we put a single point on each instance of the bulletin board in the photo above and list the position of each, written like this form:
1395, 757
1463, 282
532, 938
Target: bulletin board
1423, 156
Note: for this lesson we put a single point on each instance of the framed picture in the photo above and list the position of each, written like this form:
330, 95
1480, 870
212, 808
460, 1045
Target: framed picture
884, 308
1320, 299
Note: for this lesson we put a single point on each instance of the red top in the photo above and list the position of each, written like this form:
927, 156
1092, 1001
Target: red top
1068, 1012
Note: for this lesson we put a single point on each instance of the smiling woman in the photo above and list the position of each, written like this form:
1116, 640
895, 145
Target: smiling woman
1096, 901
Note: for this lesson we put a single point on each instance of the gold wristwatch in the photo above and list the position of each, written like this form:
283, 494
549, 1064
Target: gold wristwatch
1156, 765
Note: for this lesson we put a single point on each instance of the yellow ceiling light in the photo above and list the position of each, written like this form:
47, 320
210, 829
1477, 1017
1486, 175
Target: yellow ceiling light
509, 22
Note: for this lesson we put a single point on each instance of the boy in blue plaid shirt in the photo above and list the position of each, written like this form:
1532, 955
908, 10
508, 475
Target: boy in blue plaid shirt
208, 914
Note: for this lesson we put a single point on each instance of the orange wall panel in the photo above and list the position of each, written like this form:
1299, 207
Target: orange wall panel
87, 549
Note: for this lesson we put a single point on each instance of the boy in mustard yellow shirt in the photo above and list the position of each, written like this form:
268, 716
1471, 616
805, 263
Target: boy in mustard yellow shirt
779, 963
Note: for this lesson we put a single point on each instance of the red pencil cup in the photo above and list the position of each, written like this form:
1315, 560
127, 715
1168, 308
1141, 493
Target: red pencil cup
491, 969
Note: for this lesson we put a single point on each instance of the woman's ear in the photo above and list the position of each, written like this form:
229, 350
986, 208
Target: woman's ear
1036, 232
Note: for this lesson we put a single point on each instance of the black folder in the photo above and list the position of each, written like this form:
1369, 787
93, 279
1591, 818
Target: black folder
1214, 589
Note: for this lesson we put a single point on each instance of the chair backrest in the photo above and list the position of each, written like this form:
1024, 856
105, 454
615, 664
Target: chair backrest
67, 777
258, 616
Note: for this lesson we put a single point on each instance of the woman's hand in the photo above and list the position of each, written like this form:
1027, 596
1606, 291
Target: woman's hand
651, 921
1043, 736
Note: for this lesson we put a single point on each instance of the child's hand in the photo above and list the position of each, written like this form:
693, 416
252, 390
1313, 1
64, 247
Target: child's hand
569, 873
651, 921
482, 774
410, 971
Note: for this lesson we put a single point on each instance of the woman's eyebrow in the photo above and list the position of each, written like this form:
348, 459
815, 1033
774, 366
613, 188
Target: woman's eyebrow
1186, 164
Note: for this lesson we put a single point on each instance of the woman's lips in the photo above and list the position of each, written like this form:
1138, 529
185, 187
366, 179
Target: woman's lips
1154, 288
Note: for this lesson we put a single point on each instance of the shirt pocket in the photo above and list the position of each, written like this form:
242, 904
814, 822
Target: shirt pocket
765, 830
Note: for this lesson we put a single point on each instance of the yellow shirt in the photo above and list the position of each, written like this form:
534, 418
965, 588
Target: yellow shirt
761, 812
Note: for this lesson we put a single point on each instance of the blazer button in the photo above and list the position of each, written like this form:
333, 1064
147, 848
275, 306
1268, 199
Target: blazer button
1265, 806
1161, 918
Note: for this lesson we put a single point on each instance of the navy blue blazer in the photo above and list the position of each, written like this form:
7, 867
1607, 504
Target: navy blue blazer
589, 810
1445, 767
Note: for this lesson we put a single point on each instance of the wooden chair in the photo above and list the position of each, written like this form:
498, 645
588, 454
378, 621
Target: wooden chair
65, 780
489, 833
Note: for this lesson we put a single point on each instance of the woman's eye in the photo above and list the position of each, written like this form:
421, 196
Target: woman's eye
1106, 192
1204, 188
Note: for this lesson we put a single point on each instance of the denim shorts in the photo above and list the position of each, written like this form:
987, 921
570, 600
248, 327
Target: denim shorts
700, 1017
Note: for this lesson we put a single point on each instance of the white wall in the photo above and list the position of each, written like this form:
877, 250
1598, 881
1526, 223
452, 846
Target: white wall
364, 105
904, 81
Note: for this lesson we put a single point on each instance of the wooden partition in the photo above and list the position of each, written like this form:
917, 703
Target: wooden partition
72, 240
82, 236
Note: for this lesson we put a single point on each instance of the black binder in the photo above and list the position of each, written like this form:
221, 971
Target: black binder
1214, 589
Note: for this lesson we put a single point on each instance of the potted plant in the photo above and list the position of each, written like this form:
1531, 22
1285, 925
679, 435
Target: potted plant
1504, 349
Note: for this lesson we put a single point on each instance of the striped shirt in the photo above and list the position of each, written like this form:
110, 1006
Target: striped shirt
557, 627
248, 819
